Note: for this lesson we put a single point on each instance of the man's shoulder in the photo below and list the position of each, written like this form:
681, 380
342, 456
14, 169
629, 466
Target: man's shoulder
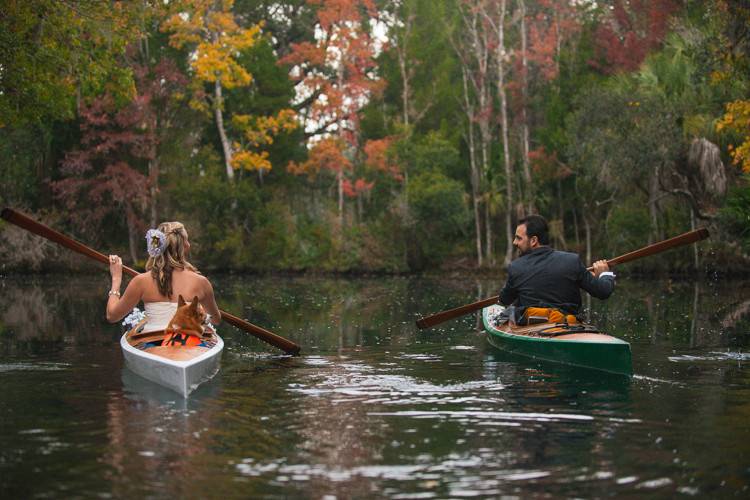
560, 254
566, 259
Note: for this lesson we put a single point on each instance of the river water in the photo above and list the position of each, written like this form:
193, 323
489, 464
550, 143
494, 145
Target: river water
373, 407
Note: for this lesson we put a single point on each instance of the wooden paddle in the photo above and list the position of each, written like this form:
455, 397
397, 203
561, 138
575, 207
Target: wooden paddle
677, 241
25, 222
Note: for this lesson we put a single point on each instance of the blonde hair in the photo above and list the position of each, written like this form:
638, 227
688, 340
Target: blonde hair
173, 257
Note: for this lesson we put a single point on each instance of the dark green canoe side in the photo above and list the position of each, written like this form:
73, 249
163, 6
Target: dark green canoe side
613, 357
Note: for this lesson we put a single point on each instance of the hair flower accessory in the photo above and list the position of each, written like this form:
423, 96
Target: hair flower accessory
156, 242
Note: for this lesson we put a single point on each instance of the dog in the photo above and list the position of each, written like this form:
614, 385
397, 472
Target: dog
186, 326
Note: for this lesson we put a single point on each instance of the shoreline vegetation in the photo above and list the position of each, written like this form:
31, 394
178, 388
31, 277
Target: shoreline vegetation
362, 137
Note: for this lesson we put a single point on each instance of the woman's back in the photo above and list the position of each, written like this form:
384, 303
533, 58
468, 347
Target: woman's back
184, 282
169, 276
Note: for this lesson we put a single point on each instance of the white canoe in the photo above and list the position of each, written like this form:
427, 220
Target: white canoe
181, 369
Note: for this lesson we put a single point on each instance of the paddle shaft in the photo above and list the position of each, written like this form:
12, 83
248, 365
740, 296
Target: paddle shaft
25, 222
683, 239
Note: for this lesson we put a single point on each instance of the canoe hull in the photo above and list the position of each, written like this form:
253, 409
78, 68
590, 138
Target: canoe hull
180, 376
596, 351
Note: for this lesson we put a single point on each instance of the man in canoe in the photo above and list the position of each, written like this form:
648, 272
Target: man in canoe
546, 283
168, 276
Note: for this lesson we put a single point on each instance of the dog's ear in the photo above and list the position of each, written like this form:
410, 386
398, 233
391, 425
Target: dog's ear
180, 301
194, 303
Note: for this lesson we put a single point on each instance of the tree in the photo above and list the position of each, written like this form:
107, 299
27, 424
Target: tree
336, 76
630, 31
102, 178
494, 15
55, 55
473, 48
216, 39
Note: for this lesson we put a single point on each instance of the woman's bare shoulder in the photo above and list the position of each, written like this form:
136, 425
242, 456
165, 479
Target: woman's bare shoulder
197, 277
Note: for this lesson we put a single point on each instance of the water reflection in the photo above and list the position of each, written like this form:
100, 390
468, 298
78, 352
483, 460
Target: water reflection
375, 407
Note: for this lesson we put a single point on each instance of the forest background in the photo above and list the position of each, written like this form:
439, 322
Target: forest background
376, 135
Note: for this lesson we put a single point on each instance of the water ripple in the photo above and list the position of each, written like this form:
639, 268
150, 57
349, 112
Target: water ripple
39, 367
713, 356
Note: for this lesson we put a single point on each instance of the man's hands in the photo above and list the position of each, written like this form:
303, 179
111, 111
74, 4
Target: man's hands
599, 266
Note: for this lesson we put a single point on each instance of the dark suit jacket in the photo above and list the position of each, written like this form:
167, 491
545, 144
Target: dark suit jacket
548, 278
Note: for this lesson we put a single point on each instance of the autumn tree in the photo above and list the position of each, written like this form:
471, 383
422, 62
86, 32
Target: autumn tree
215, 38
545, 27
336, 77
103, 177
629, 31
54, 58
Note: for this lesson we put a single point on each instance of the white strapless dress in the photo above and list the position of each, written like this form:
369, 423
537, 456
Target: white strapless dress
158, 315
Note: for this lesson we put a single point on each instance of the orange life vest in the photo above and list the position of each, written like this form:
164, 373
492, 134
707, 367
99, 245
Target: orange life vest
180, 338
552, 315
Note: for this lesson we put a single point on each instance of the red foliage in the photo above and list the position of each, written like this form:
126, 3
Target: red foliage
554, 23
338, 69
106, 174
546, 166
634, 28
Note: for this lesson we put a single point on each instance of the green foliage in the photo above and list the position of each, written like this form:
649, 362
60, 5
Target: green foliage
52, 54
430, 153
735, 215
441, 215
627, 227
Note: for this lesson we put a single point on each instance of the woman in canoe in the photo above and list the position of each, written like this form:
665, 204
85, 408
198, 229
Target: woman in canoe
168, 275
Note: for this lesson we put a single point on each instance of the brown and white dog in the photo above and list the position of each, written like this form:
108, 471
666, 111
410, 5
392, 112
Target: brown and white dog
186, 326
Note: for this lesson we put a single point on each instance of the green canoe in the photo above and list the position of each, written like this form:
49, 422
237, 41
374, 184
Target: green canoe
589, 349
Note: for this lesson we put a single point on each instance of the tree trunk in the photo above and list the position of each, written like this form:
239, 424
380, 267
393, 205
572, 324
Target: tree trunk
504, 136
587, 229
475, 173
225, 144
696, 255
488, 235
153, 178
340, 179
132, 245
529, 188
653, 208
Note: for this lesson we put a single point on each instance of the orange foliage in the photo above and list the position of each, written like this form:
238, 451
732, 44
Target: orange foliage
378, 157
360, 186
327, 154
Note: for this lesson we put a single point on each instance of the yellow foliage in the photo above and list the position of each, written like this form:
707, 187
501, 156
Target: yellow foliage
737, 120
217, 40
258, 131
261, 130
249, 160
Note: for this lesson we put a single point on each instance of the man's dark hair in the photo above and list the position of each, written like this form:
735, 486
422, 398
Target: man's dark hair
536, 225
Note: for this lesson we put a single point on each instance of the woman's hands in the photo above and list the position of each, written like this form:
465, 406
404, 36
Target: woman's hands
115, 269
